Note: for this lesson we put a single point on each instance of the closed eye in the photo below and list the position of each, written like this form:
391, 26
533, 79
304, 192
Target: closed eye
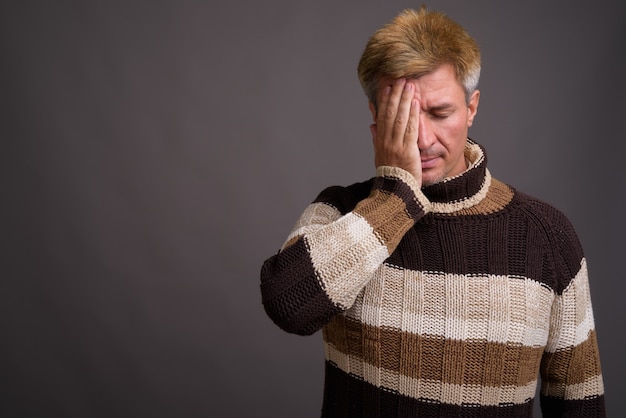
436, 115
441, 112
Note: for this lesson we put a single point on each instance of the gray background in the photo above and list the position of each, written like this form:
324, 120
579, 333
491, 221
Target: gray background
154, 153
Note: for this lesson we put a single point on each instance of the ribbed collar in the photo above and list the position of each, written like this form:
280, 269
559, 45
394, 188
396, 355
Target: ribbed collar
464, 190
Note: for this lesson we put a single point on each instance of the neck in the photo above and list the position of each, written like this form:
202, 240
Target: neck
464, 190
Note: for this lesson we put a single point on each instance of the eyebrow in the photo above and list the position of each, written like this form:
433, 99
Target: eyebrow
441, 107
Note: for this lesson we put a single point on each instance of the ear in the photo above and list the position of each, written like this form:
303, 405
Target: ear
472, 107
372, 110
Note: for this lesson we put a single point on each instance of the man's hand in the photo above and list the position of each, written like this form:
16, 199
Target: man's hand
395, 132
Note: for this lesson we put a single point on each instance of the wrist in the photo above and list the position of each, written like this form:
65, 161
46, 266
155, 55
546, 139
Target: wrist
408, 179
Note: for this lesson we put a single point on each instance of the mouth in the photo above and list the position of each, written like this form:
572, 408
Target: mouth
429, 162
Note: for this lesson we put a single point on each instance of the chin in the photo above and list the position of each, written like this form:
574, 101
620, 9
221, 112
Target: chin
430, 180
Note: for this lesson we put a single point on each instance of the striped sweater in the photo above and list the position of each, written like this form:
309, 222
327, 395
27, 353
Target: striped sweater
445, 301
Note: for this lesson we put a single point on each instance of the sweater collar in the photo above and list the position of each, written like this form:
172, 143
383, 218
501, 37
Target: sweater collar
464, 190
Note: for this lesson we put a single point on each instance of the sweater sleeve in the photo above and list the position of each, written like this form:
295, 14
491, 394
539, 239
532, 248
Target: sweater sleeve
571, 375
331, 255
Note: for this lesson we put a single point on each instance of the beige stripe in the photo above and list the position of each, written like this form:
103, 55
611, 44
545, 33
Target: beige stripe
345, 255
452, 207
408, 179
475, 156
572, 311
500, 309
594, 386
429, 357
435, 390
315, 216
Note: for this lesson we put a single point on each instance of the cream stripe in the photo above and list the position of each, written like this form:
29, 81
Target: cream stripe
430, 389
345, 254
594, 386
573, 318
451, 207
314, 216
408, 179
500, 309
475, 156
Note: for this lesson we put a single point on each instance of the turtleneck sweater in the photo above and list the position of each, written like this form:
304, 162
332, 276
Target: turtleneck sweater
449, 300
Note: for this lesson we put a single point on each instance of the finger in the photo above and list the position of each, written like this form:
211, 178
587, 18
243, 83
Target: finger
412, 127
403, 113
388, 131
383, 102
391, 100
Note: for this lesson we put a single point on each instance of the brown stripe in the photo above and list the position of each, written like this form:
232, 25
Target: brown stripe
436, 358
585, 356
387, 215
497, 198
399, 187
348, 396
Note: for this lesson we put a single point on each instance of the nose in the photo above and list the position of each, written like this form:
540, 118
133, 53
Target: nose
426, 135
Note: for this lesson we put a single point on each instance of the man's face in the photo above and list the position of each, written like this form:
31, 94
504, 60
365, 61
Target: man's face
444, 120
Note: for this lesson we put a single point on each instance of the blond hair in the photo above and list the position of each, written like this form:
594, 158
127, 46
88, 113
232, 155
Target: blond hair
416, 43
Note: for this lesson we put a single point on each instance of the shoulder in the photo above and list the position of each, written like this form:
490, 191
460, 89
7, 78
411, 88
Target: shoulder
345, 198
542, 212
557, 232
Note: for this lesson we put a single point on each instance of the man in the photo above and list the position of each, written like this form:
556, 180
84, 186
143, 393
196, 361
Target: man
440, 290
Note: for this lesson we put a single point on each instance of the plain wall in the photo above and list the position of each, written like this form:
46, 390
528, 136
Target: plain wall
154, 153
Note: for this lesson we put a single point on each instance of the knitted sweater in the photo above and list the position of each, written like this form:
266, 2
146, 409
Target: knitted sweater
444, 301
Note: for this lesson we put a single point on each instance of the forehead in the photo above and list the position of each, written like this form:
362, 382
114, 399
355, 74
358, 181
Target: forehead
440, 84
